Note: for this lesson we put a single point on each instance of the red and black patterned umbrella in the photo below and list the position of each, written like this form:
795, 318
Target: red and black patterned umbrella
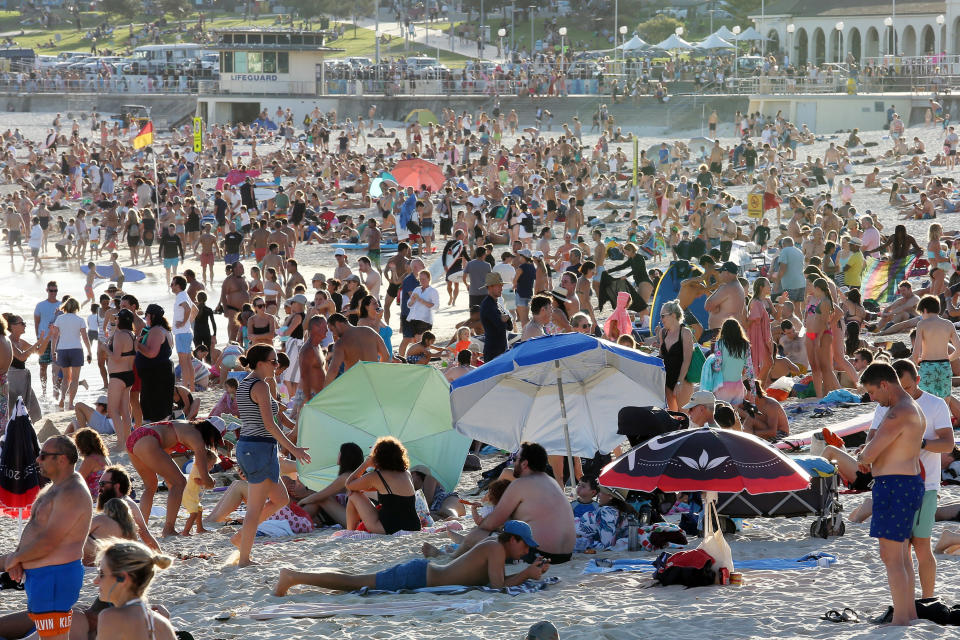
705, 459
20, 479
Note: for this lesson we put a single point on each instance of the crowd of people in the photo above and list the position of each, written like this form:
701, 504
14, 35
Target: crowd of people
782, 303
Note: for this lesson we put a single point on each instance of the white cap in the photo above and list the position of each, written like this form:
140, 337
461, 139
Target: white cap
699, 398
340, 252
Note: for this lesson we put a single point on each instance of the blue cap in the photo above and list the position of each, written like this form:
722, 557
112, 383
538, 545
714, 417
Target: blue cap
522, 530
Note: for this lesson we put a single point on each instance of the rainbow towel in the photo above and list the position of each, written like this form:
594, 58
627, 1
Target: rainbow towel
880, 278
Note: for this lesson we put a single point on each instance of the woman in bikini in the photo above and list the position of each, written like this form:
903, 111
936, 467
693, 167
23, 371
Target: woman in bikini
94, 458
150, 447
822, 315
121, 353
126, 570
391, 480
261, 328
114, 521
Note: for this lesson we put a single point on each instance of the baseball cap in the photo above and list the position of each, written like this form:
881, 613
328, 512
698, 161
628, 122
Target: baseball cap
729, 266
704, 398
302, 299
339, 252
543, 630
522, 530
525, 253
318, 276
493, 278
102, 400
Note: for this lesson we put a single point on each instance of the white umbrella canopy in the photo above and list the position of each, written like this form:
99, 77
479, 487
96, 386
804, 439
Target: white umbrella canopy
750, 34
674, 42
634, 44
725, 33
713, 41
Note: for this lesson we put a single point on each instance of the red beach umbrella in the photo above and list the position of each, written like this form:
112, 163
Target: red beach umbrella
20, 479
415, 172
705, 459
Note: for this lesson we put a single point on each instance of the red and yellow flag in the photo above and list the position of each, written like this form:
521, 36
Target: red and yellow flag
145, 137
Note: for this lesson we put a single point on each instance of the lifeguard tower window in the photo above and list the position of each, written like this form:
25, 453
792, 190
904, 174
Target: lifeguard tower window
878, 106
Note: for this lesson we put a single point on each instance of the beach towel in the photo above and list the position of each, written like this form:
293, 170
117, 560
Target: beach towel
880, 278
329, 609
346, 534
840, 396
810, 561
530, 586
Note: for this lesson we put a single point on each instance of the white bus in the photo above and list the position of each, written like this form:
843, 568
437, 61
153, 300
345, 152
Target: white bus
156, 57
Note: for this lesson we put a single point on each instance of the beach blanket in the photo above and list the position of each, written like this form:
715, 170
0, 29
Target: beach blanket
880, 278
329, 609
530, 586
810, 561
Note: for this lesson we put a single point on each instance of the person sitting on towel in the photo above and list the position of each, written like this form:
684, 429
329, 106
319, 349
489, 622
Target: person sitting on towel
482, 565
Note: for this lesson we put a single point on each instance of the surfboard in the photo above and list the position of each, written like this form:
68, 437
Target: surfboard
855, 424
106, 271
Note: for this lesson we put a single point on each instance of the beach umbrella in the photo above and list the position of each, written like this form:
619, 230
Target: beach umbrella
705, 459
674, 42
713, 41
422, 116
415, 172
374, 399
20, 479
562, 391
384, 181
750, 34
634, 44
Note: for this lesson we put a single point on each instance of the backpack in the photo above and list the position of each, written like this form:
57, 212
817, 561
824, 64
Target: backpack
689, 568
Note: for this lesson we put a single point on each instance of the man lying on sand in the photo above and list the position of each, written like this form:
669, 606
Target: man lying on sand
482, 565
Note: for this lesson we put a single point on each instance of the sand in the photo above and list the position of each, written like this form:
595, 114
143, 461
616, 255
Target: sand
769, 604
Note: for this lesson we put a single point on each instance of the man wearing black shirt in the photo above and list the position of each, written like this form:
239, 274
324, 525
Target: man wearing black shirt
750, 157
170, 251
496, 322
220, 210
248, 197
232, 244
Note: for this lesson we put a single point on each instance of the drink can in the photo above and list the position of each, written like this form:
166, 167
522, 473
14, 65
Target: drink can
736, 579
724, 576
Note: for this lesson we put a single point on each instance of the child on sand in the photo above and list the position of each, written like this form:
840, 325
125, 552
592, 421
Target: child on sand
191, 498
117, 270
586, 502
88, 285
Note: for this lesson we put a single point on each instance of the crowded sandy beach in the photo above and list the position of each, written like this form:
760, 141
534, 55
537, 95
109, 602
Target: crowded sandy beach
303, 382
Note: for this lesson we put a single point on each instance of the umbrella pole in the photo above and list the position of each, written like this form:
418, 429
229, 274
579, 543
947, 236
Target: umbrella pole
19, 522
566, 425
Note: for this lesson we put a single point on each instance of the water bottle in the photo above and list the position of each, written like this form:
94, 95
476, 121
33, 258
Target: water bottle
633, 533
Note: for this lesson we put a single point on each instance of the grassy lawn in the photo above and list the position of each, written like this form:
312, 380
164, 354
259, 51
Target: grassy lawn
364, 44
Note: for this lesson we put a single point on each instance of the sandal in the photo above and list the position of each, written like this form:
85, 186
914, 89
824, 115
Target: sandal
849, 615
832, 616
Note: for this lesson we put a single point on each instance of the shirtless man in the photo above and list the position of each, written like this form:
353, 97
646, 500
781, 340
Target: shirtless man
462, 367
273, 260
342, 271
541, 309
901, 309
209, 249
48, 557
728, 300
369, 276
234, 293
281, 239
115, 483
353, 345
194, 286
482, 565
771, 187
294, 278
259, 239
932, 348
313, 364
599, 258
892, 456
534, 497
395, 271
16, 230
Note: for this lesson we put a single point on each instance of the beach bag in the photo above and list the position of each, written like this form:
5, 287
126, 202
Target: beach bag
695, 370
413, 227
690, 568
713, 542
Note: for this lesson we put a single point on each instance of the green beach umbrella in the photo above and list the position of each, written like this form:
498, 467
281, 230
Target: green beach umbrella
374, 399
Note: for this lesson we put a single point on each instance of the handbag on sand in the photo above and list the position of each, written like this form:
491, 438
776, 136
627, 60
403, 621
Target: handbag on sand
713, 542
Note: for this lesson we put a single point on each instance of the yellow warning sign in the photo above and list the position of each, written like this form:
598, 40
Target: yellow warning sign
755, 205
198, 135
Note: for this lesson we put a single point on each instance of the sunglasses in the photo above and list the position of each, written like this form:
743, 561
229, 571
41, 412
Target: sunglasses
46, 454
105, 483
52, 290
260, 306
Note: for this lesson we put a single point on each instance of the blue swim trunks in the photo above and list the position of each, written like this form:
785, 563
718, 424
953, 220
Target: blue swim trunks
896, 504
408, 575
51, 593
936, 377
171, 263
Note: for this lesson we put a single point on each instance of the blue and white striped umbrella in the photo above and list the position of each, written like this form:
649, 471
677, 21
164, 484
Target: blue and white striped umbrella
562, 391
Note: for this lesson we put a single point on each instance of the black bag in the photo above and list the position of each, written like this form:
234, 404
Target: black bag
413, 227
527, 222
687, 576
640, 424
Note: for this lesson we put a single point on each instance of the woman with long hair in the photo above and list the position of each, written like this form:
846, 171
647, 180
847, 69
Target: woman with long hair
371, 315
154, 367
733, 350
133, 229
261, 327
69, 337
676, 351
126, 570
114, 521
824, 313
19, 379
94, 458
258, 445
121, 354
758, 328
393, 483
332, 499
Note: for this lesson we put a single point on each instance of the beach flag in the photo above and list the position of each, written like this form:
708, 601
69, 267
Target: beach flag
880, 278
145, 137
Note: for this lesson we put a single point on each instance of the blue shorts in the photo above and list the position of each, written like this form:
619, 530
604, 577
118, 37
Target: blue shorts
408, 575
257, 457
521, 301
170, 263
70, 357
51, 593
230, 258
896, 503
184, 342
426, 231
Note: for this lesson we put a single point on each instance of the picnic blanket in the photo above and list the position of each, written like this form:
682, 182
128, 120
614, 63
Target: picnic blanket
329, 609
809, 561
530, 586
